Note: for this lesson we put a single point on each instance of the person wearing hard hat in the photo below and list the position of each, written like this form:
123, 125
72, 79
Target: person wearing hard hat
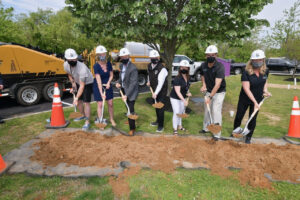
214, 86
254, 88
157, 80
1, 88
180, 91
82, 83
128, 83
103, 75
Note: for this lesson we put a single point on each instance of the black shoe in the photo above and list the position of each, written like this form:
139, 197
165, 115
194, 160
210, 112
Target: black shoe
248, 140
203, 131
160, 129
216, 138
153, 124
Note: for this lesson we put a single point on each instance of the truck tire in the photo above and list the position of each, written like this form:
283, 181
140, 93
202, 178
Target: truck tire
142, 80
197, 76
48, 91
237, 71
28, 95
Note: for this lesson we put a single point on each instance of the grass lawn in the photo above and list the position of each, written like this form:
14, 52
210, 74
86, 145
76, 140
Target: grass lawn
273, 121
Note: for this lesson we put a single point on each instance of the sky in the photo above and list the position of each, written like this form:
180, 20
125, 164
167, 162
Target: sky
271, 12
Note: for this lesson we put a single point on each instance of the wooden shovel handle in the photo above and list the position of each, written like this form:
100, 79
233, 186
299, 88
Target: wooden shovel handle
122, 95
151, 90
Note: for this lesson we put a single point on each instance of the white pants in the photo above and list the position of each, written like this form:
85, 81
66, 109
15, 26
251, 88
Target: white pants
216, 111
178, 108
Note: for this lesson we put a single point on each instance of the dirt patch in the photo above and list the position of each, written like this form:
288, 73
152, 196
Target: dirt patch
166, 153
292, 86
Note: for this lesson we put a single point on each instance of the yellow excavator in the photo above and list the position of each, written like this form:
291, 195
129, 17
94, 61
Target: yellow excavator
29, 74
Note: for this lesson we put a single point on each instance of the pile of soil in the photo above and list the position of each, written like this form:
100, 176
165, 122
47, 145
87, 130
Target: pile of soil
166, 153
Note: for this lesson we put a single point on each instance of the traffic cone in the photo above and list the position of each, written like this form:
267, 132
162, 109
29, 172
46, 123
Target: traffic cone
3, 165
57, 114
294, 128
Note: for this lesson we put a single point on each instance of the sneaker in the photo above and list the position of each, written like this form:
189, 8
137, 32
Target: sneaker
97, 121
160, 129
48, 120
79, 119
238, 130
86, 127
248, 140
153, 124
215, 138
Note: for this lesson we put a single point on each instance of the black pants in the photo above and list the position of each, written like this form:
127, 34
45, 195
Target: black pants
131, 122
160, 113
241, 110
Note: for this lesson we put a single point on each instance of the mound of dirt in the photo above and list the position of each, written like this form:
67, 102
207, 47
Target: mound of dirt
165, 153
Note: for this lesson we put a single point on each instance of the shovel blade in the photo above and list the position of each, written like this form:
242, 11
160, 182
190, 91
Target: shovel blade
158, 105
75, 115
214, 129
245, 132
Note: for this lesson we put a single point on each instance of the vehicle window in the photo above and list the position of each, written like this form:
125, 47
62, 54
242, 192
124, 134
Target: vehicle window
176, 59
273, 61
185, 58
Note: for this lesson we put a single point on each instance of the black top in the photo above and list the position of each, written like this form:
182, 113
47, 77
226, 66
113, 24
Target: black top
257, 85
153, 78
1, 82
184, 87
210, 75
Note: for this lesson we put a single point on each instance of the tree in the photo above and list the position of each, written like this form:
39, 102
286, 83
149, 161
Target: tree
8, 29
169, 22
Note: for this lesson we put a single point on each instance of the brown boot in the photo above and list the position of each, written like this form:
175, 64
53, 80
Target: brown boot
131, 132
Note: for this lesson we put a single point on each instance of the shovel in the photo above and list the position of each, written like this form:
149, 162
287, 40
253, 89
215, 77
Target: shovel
213, 128
129, 115
74, 114
102, 124
158, 105
184, 115
246, 131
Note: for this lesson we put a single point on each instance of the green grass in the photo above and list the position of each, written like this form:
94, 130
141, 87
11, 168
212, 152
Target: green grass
183, 184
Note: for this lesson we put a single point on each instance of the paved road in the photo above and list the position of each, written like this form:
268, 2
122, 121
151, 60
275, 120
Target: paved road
9, 108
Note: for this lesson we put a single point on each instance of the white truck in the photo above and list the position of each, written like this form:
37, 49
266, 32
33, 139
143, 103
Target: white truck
194, 66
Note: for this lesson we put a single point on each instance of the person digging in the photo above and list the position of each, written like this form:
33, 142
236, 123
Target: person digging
128, 84
157, 81
253, 92
213, 80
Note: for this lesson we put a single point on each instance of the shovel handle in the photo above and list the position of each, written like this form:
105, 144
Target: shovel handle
73, 100
208, 109
151, 90
122, 95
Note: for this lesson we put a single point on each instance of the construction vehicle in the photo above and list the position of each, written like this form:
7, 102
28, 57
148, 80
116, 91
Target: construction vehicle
29, 74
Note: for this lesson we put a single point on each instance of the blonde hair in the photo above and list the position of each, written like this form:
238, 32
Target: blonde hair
249, 68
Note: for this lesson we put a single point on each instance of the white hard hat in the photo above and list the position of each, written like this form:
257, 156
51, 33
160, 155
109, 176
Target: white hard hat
70, 54
184, 63
257, 54
153, 54
124, 52
101, 49
211, 49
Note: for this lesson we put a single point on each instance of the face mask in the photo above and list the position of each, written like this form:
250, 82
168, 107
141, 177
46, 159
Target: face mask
125, 61
102, 58
257, 64
184, 71
210, 59
154, 61
72, 63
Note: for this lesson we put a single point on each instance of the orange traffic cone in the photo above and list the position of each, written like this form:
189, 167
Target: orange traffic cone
3, 165
294, 128
57, 115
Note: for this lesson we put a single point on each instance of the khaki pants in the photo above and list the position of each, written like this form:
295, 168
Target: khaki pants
216, 111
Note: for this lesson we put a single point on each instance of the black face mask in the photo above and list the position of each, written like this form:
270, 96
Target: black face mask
210, 59
184, 71
125, 61
154, 61
72, 63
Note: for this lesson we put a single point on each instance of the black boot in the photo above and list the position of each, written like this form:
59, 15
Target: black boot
248, 140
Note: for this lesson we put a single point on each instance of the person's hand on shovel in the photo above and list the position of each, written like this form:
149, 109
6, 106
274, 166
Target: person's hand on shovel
148, 83
118, 85
185, 102
124, 98
103, 96
267, 94
154, 96
75, 101
189, 94
207, 100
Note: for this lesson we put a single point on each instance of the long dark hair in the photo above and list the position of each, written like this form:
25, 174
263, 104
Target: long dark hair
187, 75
